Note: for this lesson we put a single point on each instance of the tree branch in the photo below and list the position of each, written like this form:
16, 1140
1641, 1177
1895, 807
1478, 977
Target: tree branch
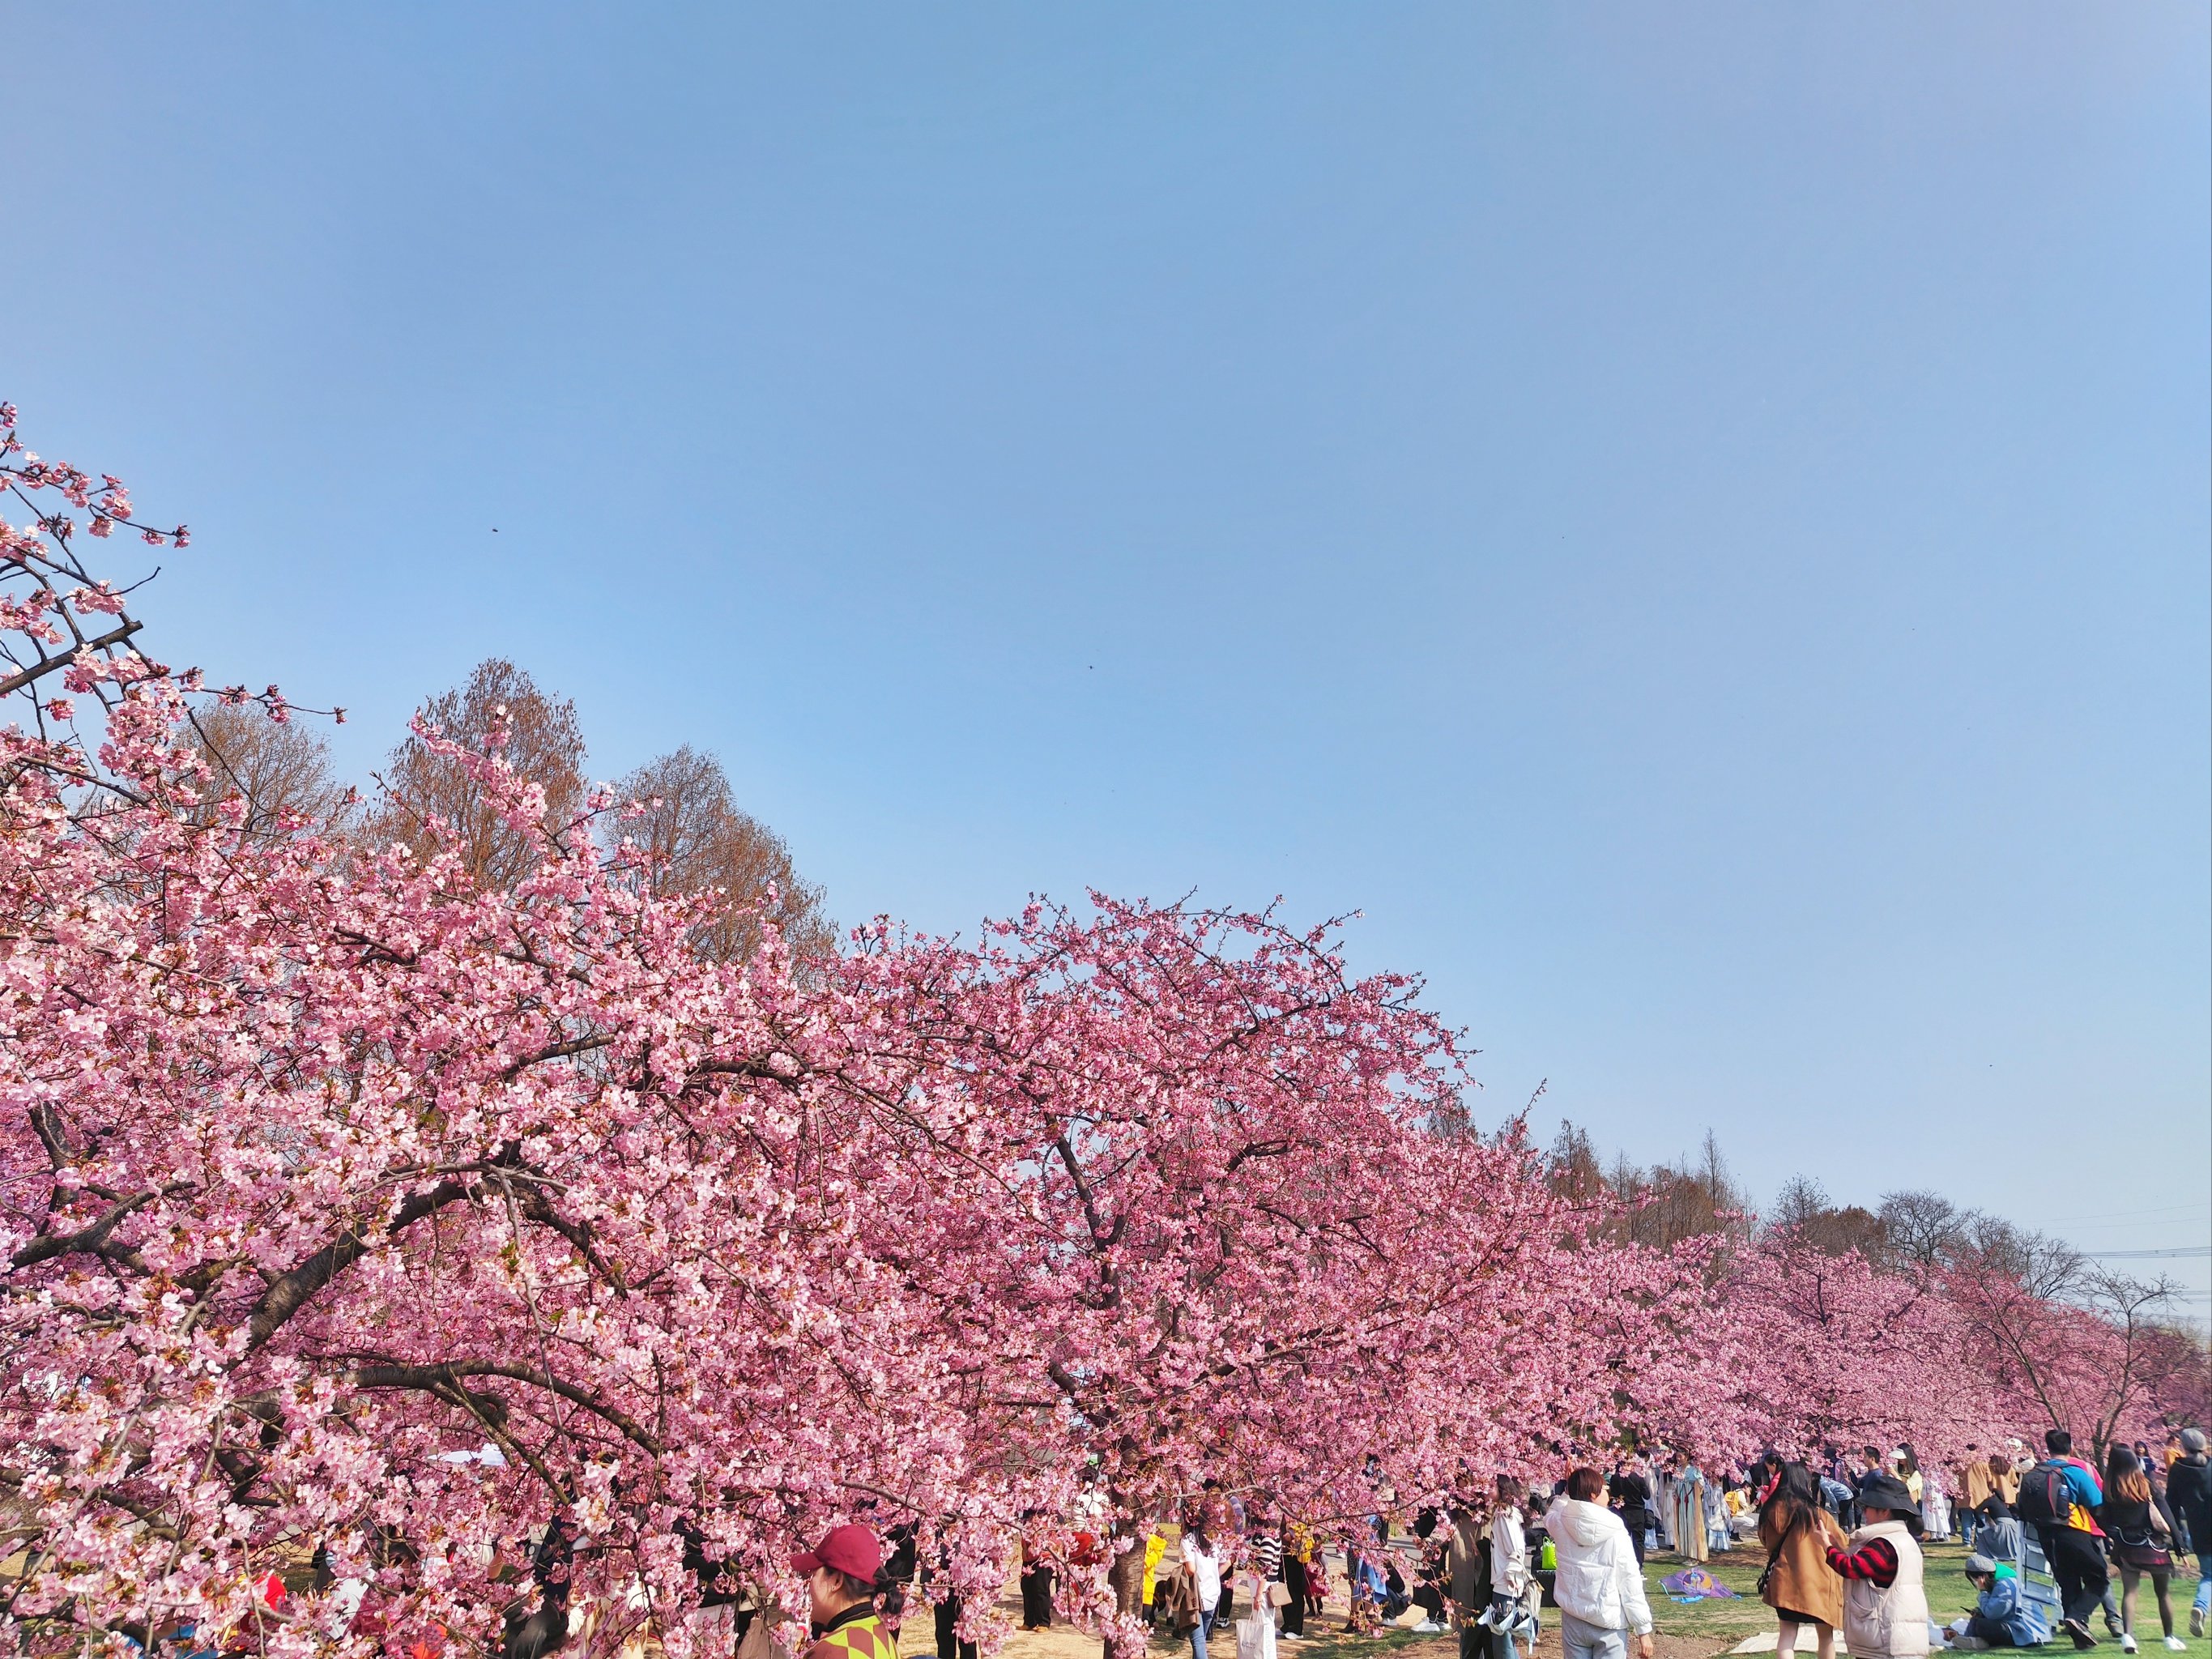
290, 1292
92, 1240
39, 671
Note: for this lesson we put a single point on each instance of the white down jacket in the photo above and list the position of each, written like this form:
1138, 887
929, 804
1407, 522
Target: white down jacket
1599, 1581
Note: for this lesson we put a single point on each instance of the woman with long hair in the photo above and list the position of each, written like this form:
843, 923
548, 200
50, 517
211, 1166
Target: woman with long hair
2142, 1537
1797, 1532
1204, 1564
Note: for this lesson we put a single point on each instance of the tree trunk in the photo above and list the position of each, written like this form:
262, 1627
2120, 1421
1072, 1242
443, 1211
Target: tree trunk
1127, 1575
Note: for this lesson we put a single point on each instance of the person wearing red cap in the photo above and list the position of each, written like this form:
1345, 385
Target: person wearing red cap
840, 1583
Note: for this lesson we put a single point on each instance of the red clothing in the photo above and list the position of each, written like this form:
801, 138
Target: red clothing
1875, 1560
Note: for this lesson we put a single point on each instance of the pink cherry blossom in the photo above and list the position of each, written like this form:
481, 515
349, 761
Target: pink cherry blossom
322, 1170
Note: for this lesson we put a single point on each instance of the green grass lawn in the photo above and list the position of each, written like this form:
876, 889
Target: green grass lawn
1726, 1623
1711, 1627
1721, 1624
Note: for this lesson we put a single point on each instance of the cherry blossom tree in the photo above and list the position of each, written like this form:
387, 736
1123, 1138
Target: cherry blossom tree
386, 1210
2071, 1345
321, 1170
433, 1222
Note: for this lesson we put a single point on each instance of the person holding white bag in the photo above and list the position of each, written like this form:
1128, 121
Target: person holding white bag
1255, 1631
1205, 1566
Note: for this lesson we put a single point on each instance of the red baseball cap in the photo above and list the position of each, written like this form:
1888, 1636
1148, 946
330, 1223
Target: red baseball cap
849, 1549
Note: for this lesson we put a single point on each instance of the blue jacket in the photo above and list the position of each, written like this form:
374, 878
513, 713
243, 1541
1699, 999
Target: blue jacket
2021, 1620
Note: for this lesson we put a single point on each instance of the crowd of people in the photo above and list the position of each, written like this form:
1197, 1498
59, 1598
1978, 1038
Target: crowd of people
2052, 1543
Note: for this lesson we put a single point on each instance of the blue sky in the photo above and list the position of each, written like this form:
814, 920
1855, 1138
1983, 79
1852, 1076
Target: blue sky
1694, 520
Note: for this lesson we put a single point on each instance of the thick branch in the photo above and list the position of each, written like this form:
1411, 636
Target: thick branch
555, 1051
39, 671
533, 1204
288, 1294
437, 1379
92, 1240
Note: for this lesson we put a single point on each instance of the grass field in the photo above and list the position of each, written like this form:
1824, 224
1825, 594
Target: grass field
1700, 1629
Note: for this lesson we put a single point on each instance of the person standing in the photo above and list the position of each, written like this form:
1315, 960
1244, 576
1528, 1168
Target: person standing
1974, 1483
1295, 1584
1885, 1600
1509, 1566
1263, 1556
1689, 1525
1864, 1467
841, 1574
2006, 1478
1935, 1505
1036, 1581
1631, 1501
1467, 1581
1600, 1586
1718, 1540
1797, 1533
2188, 1494
1204, 1562
2142, 1540
2059, 1497
1316, 1579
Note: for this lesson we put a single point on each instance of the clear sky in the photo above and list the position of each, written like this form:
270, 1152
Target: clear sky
1694, 519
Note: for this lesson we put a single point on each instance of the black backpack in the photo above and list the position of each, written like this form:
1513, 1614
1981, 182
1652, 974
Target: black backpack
2045, 1499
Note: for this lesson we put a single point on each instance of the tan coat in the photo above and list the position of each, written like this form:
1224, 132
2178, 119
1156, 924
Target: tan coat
1973, 1482
2007, 1481
1804, 1581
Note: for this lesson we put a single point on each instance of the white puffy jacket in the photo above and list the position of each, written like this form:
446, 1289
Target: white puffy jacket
1599, 1581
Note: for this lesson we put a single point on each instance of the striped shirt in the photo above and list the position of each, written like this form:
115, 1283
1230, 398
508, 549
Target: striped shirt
1267, 1554
1875, 1560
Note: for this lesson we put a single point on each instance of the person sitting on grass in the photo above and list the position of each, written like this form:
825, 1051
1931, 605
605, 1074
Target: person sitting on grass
2002, 1616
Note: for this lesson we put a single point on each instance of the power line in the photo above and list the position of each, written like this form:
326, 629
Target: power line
2162, 1209
2115, 1255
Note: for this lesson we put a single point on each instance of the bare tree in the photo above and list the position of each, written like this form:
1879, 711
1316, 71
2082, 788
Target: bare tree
1923, 1228
696, 839
1660, 1205
2089, 1345
280, 768
534, 731
1803, 1212
2045, 1266
1573, 1166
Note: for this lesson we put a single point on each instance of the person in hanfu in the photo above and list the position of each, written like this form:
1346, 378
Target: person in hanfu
1717, 1517
1689, 1516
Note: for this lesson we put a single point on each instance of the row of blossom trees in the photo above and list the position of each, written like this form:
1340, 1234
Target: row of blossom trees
514, 1262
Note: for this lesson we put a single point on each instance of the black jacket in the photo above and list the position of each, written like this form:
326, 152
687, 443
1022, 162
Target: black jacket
2189, 1495
1631, 1497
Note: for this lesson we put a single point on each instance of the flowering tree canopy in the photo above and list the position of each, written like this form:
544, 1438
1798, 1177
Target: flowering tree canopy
474, 1242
